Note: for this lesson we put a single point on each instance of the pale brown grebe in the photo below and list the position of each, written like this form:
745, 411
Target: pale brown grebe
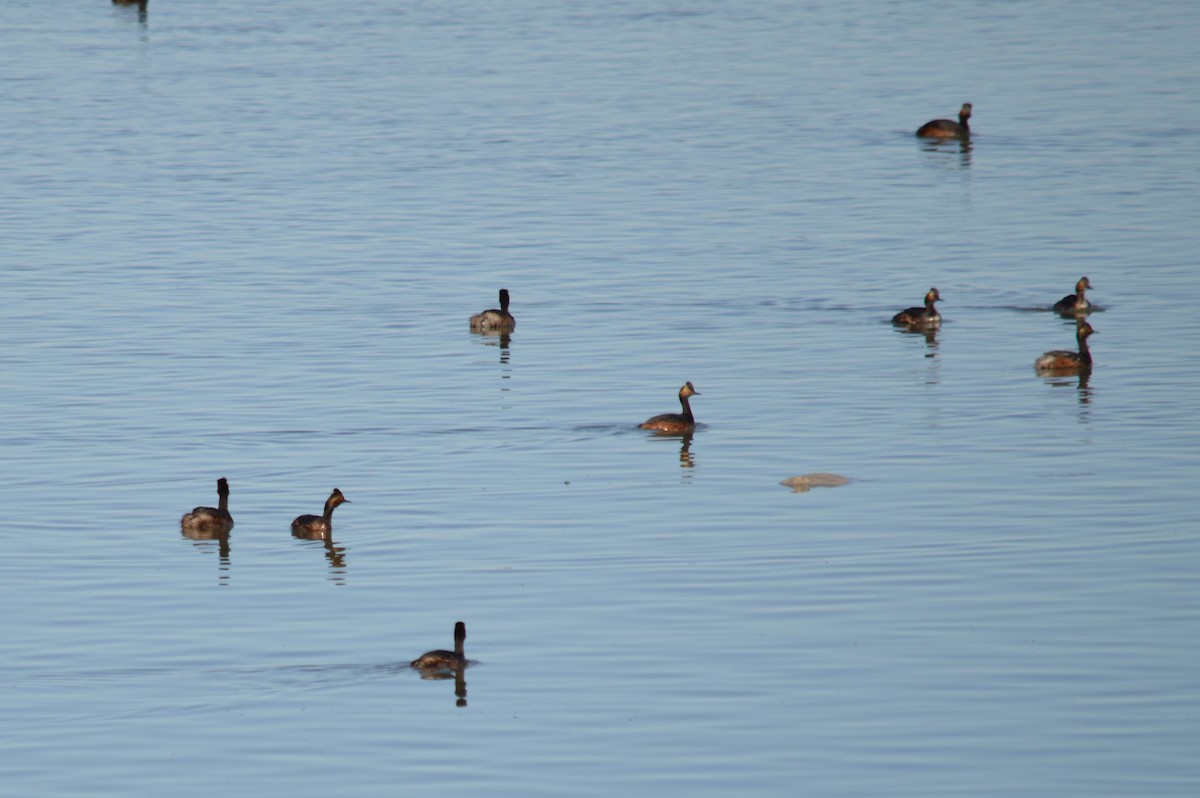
433, 660
675, 422
211, 519
947, 129
319, 525
1076, 303
921, 317
494, 320
1061, 361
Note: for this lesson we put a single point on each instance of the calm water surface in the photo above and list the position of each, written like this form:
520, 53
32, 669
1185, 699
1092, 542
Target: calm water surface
244, 243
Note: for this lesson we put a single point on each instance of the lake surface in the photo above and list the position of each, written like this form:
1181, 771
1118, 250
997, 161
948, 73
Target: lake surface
243, 240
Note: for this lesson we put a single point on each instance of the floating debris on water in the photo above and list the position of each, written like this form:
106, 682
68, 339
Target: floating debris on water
805, 482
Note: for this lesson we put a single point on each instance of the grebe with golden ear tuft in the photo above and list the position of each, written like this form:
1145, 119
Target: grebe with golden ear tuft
675, 422
439, 659
946, 128
1076, 303
1062, 361
319, 525
927, 316
495, 320
211, 519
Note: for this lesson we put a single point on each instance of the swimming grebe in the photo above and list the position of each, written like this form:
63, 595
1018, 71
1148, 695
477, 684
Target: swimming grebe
947, 129
675, 422
921, 317
494, 320
211, 519
1060, 361
442, 658
1076, 303
319, 525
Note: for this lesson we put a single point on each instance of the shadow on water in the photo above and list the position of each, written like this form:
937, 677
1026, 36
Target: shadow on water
1080, 382
202, 539
687, 460
457, 674
333, 552
139, 5
948, 146
502, 340
930, 334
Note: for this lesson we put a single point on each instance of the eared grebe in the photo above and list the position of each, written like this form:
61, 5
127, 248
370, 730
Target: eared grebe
1076, 303
319, 525
442, 658
494, 320
947, 129
1060, 361
211, 519
675, 422
921, 317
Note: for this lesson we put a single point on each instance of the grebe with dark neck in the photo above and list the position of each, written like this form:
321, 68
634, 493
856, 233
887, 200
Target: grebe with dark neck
948, 129
495, 320
675, 422
1062, 361
211, 519
318, 526
921, 317
1076, 303
440, 659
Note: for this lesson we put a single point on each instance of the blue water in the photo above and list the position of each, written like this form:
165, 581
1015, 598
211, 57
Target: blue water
244, 240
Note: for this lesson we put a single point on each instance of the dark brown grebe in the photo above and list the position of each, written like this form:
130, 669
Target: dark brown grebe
439, 659
947, 129
1060, 361
1076, 303
317, 526
493, 320
921, 317
675, 422
217, 519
